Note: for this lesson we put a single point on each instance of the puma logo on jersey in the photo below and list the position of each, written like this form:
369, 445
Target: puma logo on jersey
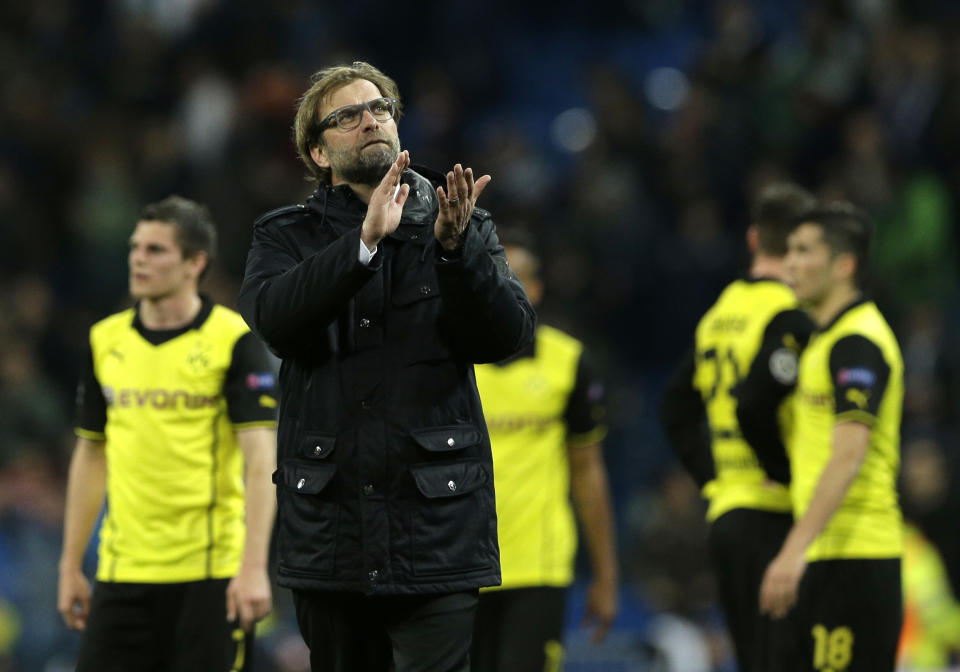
860, 398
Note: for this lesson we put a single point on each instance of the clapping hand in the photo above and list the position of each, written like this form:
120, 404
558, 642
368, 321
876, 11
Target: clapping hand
456, 205
386, 204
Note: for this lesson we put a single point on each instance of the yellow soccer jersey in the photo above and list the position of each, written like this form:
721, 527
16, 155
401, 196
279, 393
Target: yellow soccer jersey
167, 404
749, 317
536, 406
852, 370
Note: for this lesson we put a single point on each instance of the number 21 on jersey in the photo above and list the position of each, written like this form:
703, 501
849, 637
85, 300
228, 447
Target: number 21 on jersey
717, 372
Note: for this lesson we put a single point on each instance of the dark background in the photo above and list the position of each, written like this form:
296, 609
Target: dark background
629, 136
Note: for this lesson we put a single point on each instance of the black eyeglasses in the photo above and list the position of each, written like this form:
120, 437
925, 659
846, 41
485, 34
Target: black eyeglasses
348, 117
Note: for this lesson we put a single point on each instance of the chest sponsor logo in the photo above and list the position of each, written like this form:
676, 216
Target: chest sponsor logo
516, 423
158, 398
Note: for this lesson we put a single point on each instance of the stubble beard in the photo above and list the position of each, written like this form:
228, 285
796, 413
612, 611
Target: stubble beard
366, 165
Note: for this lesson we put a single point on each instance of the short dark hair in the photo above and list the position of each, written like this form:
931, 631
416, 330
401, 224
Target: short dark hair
846, 229
192, 223
774, 213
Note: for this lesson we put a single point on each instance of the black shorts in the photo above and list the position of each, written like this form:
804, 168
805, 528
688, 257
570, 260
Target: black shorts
163, 627
519, 630
849, 615
743, 542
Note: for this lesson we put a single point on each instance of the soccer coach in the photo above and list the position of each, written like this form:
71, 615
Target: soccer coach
379, 294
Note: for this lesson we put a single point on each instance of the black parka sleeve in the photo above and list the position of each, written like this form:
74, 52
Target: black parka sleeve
286, 300
684, 420
772, 376
486, 313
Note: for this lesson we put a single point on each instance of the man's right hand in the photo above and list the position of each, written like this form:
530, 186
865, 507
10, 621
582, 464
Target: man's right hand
384, 210
73, 598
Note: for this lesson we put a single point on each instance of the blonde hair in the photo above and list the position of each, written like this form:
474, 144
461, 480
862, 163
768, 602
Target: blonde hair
306, 125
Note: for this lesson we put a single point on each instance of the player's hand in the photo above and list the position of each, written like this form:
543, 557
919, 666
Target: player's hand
778, 592
601, 608
73, 598
248, 597
386, 204
456, 205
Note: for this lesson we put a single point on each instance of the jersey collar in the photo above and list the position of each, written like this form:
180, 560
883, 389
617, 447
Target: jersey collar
158, 336
859, 301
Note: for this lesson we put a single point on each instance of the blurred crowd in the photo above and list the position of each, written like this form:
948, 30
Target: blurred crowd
628, 135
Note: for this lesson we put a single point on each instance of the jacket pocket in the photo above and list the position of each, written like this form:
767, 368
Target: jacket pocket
451, 518
317, 445
417, 310
308, 515
443, 439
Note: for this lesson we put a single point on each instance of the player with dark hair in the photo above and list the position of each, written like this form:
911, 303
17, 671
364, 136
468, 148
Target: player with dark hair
176, 411
726, 414
840, 563
544, 409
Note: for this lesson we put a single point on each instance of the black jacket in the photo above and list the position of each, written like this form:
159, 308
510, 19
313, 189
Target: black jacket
384, 476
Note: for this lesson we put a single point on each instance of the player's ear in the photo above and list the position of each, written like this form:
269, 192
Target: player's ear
753, 239
198, 263
845, 266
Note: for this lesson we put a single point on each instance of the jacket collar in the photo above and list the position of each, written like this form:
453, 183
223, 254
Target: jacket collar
337, 206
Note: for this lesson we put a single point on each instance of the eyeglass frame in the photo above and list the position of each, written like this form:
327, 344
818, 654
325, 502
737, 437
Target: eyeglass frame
331, 119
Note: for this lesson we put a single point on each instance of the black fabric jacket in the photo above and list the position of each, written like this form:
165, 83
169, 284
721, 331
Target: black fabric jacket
384, 475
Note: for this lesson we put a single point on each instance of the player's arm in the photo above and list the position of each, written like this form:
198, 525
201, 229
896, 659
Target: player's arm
590, 491
684, 419
859, 373
248, 596
591, 498
86, 487
251, 403
772, 376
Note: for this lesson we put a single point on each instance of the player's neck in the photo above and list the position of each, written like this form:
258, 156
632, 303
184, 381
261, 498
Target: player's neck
838, 299
170, 312
765, 266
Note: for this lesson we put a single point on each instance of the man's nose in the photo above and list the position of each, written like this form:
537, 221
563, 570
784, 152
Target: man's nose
368, 120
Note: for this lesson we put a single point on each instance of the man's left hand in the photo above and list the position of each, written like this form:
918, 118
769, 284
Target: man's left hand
456, 205
248, 597
778, 592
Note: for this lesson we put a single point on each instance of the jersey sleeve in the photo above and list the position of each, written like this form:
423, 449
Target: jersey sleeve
250, 385
772, 376
585, 413
860, 374
684, 420
91, 404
